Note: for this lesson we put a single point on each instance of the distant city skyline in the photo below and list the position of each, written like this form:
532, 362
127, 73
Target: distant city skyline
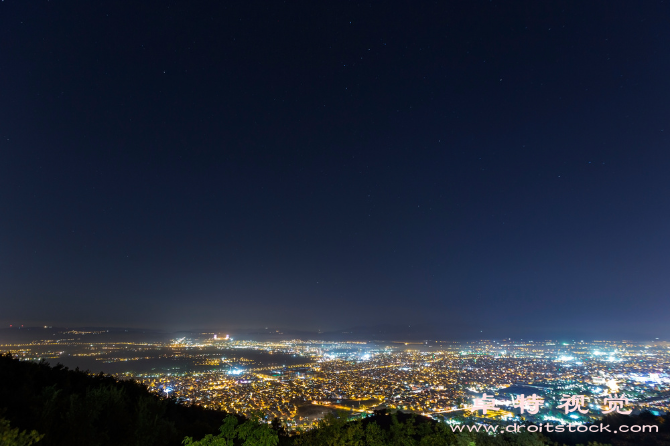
357, 334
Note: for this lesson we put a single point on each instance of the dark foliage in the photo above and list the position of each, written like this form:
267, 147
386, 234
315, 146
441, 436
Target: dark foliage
72, 407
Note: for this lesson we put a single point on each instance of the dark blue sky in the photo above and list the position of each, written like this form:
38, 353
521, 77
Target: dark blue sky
479, 168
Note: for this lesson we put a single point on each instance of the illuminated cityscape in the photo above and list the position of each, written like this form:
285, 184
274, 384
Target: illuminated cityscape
300, 381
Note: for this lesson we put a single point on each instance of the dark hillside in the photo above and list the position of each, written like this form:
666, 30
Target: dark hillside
72, 407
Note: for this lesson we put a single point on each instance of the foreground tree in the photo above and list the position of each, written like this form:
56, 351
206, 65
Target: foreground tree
252, 432
12, 437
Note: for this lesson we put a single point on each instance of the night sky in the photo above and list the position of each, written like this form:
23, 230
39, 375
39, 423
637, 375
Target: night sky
480, 169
